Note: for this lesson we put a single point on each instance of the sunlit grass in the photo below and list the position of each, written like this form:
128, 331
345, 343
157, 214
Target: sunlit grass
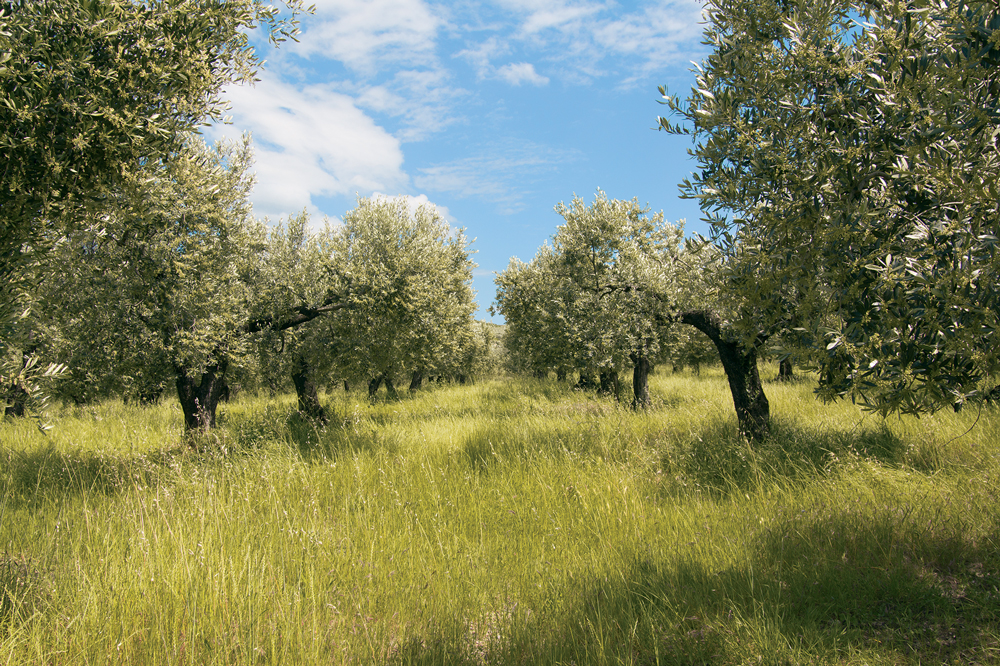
515, 521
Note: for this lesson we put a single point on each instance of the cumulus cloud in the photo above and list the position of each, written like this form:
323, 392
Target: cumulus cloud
310, 142
521, 72
368, 34
415, 202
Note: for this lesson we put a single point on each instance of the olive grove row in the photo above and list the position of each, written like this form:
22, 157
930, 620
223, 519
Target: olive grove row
848, 163
600, 300
177, 286
849, 167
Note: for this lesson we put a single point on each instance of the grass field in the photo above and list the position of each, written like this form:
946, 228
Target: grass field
508, 522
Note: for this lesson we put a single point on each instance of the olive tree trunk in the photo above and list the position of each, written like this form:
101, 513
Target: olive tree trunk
417, 379
307, 391
641, 368
740, 363
373, 385
610, 384
200, 397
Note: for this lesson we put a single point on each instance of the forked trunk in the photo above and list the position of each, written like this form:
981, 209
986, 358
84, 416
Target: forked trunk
199, 399
307, 392
390, 388
740, 363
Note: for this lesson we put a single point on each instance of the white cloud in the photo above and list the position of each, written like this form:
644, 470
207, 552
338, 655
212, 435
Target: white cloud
415, 202
312, 142
580, 40
422, 99
521, 72
515, 74
368, 34
501, 176
542, 15
479, 56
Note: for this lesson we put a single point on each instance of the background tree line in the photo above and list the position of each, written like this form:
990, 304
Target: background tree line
849, 168
132, 263
848, 165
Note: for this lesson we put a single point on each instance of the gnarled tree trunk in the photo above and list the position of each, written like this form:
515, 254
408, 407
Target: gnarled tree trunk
307, 392
740, 363
390, 388
417, 380
785, 373
199, 399
641, 368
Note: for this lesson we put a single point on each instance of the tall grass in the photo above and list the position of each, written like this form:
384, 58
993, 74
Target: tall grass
509, 522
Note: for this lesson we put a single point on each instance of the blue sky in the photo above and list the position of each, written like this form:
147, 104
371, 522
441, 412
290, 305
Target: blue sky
494, 111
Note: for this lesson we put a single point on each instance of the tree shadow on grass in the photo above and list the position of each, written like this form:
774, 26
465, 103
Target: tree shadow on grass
37, 476
719, 458
812, 588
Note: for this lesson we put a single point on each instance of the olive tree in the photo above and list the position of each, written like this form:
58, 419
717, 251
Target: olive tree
601, 296
849, 166
91, 92
411, 306
161, 284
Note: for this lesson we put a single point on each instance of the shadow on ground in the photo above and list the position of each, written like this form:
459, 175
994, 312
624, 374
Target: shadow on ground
815, 589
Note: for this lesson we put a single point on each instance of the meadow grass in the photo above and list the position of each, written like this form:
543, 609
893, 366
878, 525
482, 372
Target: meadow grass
512, 521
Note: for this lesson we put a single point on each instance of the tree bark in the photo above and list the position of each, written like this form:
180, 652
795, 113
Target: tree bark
640, 381
390, 388
307, 392
610, 384
785, 372
587, 380
740, 363
17, 399
417, 380
200, 399
373, 385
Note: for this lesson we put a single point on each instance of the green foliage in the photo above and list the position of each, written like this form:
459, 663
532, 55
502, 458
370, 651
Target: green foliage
850, 172
411, 303
161, 285
603, 293
92, 90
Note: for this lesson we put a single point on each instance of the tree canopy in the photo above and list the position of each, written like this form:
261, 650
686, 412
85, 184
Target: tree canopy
849, 167
93, 89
